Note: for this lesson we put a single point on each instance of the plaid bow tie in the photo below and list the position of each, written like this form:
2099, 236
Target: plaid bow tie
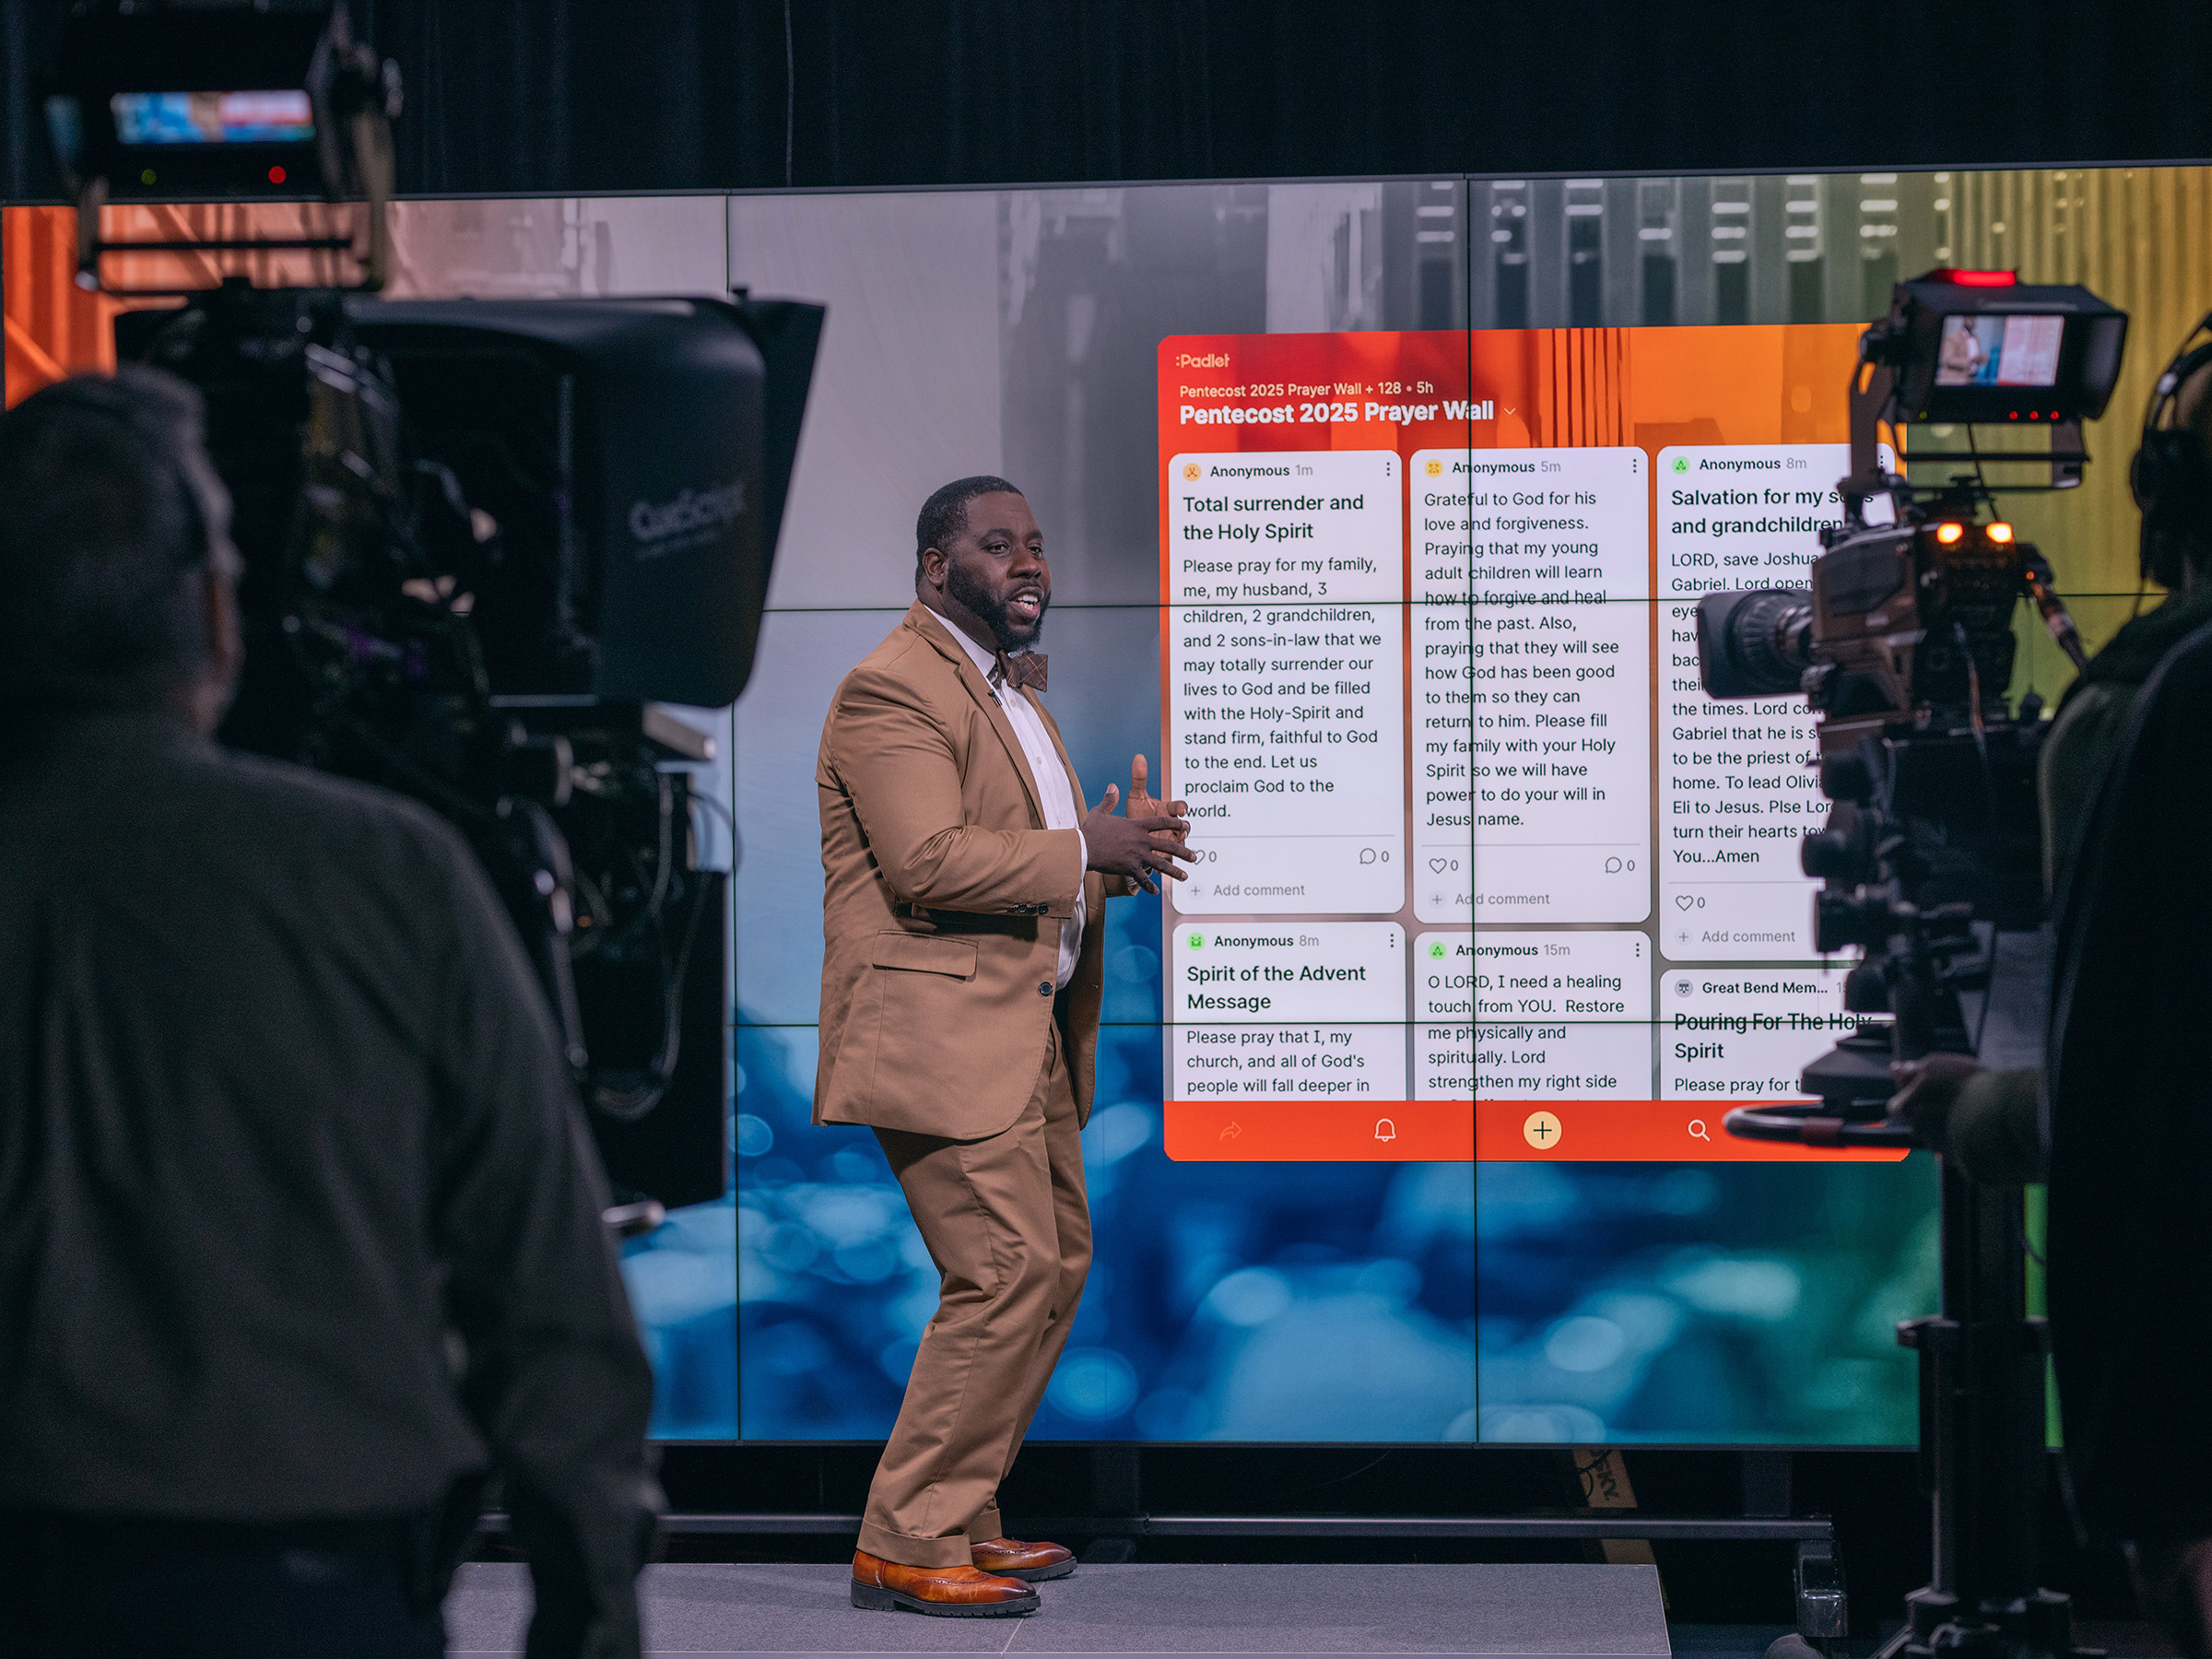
1025, 669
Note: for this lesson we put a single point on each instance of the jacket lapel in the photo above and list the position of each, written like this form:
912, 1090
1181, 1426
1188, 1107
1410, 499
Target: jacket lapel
936, 630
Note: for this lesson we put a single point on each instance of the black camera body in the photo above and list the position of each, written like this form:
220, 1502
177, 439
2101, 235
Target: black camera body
1903, 646
484, 541
605, 479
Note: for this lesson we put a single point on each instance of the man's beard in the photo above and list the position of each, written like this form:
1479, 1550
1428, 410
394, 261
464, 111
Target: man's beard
992, 611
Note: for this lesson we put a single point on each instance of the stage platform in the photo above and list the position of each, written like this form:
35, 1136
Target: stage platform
1498, 1611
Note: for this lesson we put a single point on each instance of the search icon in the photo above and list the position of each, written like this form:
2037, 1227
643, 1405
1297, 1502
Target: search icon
1697, 1131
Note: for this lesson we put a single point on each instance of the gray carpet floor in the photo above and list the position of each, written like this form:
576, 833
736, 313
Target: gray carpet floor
1541, 1611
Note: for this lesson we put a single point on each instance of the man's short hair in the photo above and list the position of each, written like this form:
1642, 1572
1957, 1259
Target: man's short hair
944, 514
103, 541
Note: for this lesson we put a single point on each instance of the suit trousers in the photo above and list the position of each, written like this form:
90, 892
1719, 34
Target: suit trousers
1008, 1228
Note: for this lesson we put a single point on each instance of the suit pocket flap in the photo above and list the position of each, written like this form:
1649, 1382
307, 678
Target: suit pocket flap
925, 953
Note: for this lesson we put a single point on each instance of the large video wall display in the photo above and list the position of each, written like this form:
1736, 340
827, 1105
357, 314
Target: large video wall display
1375, 511
1275, 472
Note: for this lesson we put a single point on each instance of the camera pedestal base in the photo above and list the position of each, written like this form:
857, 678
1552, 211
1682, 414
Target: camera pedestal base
2040, 1623
1982, 1364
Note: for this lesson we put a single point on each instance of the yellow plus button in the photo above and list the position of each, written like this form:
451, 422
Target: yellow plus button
1541, 1130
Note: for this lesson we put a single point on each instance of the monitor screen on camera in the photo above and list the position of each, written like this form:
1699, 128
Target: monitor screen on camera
280, 116
1994, 349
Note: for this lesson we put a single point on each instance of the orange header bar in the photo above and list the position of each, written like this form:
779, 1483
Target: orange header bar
1491, 1131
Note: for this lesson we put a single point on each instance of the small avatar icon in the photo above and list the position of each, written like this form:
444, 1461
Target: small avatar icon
1190, 471
1197, 941
1681, 462
1435, 469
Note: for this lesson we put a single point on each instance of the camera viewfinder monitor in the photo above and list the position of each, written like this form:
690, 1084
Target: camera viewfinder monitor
220, 102
278, 115
1985, 348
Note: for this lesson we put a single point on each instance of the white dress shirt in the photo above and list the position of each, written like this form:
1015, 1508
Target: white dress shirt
1062, 810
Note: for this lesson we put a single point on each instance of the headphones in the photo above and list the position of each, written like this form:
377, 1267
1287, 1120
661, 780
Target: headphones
2170, 476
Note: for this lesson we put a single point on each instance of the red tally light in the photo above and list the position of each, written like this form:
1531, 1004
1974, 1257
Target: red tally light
2000, 533
1947, 533
2035, 414
275, 175
1977, 278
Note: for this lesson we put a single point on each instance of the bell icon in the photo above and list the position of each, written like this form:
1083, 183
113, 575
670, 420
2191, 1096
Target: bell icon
1385, 1130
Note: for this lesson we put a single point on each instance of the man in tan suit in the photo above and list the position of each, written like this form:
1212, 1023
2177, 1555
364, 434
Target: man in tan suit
963, 968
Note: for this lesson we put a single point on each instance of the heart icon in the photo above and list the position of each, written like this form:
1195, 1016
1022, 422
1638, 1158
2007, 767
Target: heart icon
1683, 900
1437, 865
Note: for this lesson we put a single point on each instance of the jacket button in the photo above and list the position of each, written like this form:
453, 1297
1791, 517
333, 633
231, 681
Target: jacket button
1045, 987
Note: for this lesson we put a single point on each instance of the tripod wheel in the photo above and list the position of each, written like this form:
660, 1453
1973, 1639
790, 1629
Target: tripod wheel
1792, 1646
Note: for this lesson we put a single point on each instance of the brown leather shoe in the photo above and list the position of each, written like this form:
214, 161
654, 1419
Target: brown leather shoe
882, 1586
1013, 1558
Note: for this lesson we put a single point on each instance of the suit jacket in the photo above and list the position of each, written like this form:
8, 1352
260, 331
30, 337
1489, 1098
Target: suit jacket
943, 899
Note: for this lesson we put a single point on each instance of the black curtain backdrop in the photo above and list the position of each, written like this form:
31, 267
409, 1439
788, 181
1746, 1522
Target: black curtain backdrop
562, 96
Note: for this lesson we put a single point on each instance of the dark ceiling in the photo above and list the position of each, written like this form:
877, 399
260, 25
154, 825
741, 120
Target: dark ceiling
566, 96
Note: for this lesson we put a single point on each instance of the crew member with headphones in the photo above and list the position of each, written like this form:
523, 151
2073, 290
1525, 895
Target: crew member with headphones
1990, 1122
2171, 477
300, 1222
2116, 1119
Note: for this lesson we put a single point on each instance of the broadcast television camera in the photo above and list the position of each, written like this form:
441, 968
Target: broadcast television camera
486, 541
1904, 647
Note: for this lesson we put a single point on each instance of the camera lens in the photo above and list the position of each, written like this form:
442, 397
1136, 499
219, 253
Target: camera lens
1753, 643
1831, 853
1841, 920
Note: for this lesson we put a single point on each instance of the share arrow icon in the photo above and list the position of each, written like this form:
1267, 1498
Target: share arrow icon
1231, 1131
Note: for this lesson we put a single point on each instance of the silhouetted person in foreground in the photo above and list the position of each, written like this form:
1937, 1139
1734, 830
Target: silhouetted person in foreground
299, 1224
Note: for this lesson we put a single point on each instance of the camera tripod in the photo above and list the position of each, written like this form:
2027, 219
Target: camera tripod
1982, 1358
